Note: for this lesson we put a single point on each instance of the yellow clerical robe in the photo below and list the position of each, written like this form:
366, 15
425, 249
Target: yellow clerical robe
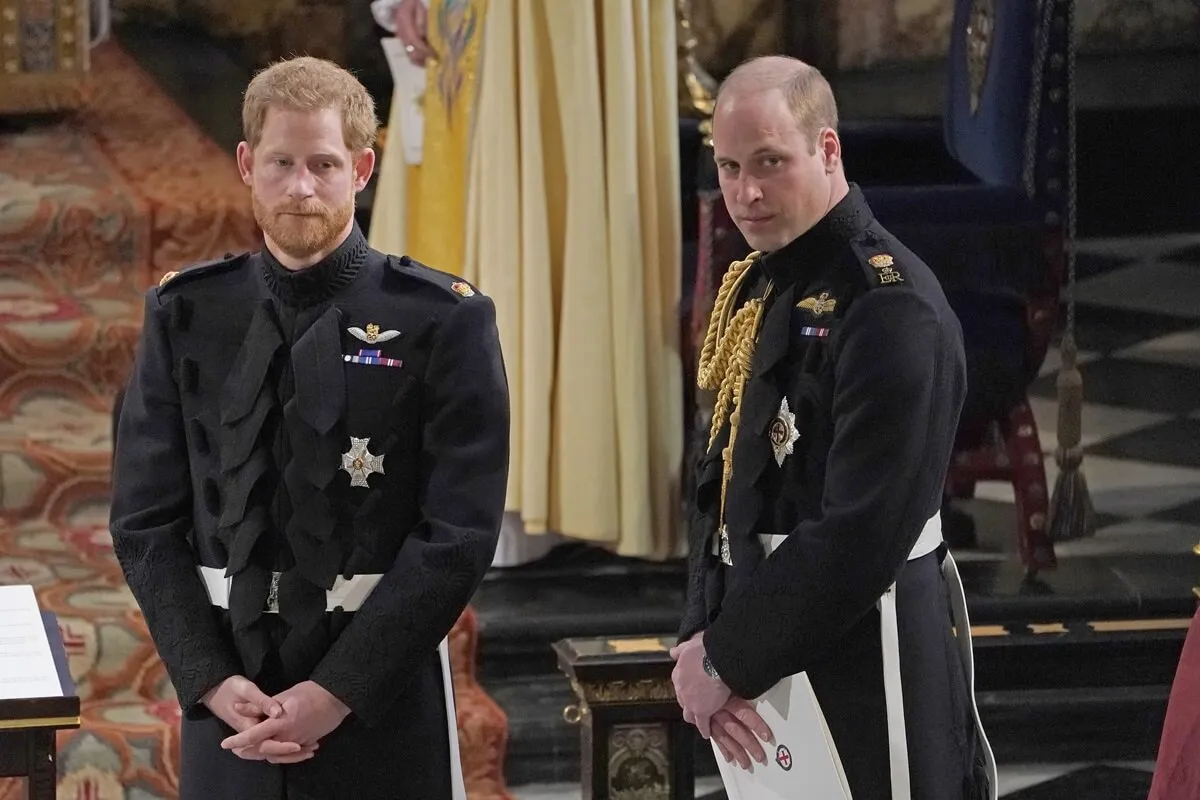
550, 179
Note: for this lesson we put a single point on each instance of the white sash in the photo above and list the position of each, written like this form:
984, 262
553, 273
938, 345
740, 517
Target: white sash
813, 768
458, 786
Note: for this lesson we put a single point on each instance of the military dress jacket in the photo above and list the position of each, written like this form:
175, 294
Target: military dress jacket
845, 432
292, 429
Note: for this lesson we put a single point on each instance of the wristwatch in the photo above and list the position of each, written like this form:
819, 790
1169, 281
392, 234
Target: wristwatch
709, 669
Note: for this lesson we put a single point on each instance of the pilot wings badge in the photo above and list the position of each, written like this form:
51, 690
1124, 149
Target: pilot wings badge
818, 306
372, 335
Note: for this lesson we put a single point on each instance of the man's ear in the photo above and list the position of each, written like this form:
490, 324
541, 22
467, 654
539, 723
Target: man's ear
245, 161
364, 167
831, 149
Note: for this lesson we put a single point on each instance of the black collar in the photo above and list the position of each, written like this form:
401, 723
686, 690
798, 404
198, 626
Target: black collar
321, 281
850, 217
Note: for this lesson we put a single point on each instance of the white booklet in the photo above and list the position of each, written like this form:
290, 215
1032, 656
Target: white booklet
803, 762
27, 666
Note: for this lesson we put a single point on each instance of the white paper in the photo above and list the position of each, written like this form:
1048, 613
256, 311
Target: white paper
26, 663
803, 764
409, 81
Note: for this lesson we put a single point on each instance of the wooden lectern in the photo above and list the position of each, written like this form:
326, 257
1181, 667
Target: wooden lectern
633, 739
28, 726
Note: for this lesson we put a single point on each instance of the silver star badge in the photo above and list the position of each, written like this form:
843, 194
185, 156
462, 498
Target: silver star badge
783, 432
359, 462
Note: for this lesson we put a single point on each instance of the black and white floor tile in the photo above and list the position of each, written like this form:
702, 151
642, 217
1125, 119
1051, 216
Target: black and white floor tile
1138, 332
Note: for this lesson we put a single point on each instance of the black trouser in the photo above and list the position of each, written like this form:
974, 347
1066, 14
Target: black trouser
942, 747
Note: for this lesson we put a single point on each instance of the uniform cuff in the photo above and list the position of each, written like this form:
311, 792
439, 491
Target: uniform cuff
735, 663
191, 700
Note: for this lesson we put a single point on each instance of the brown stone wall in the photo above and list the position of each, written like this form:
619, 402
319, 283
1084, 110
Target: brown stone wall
220, 17
860, 34
267, 30
730, 31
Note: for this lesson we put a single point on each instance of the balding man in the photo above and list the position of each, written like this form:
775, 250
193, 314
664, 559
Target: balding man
822, 604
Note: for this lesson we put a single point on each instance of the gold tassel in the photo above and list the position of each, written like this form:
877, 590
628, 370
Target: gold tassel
719, 356
1071, 513
726, 357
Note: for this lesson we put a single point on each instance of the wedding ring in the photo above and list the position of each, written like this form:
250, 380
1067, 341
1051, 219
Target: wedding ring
408, 48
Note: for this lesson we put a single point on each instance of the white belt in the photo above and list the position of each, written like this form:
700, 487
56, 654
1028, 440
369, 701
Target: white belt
345, 594
930, 538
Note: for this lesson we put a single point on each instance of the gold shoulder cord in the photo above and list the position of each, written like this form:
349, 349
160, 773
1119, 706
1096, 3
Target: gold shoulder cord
724, 367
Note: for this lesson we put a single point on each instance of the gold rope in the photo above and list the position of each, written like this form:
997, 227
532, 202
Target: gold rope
726, 357
717, 348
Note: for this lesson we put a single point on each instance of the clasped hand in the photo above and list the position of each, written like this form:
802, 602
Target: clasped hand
284, 729
716, 712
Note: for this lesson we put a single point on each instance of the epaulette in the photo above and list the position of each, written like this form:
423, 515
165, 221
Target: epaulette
173, 279
451, 283
878, 264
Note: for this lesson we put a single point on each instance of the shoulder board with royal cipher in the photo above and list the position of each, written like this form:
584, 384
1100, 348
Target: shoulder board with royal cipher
230, 260
879, 264
451, 283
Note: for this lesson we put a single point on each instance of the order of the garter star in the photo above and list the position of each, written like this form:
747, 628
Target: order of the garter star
783, 432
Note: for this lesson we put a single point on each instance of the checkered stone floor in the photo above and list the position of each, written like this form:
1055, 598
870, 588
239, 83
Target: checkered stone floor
1138, 333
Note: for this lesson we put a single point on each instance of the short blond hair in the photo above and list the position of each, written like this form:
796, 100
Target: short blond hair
808, 94
311, 84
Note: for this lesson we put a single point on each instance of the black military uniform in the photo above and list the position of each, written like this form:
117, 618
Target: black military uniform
844, 432
345, 425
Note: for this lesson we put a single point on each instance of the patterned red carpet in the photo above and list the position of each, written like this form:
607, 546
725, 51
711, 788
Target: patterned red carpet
95, 209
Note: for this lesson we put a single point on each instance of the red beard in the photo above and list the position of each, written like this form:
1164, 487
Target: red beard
301, 230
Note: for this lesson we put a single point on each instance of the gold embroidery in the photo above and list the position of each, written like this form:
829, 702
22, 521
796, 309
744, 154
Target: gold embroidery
820, 305
887, 274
